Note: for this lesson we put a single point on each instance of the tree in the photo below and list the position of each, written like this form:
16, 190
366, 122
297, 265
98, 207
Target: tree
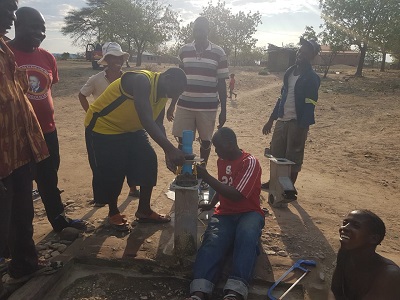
156, 24
336, 42
309, 34
133, 23
65, 56
357, 21
387, 38
242, 27
233, 32
86, 24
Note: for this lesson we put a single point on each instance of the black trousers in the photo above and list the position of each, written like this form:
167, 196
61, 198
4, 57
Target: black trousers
46, 178
16, 216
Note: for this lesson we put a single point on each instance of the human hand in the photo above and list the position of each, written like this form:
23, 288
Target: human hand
267, 127
221, 119
173, 158
170, 165
201, 172
170, 113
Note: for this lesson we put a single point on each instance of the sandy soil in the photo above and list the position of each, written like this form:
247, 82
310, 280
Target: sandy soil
351, 159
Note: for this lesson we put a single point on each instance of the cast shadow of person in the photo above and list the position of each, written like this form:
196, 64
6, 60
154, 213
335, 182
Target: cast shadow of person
302, 239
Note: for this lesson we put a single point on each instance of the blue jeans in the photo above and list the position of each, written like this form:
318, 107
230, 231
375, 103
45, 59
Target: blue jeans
240, 232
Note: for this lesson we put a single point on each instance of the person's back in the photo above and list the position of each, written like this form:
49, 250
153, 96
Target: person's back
124, 117
361, 273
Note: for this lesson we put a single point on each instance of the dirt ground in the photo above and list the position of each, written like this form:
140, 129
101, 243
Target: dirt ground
352, 160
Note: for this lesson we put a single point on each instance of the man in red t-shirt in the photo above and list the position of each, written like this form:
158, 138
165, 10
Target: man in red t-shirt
42, 74
237, 221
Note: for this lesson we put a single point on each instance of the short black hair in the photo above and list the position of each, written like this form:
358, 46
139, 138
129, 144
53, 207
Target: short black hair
375, 223
202, 20
226, 135
177, 74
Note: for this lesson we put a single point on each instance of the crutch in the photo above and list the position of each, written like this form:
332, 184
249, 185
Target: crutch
297, 265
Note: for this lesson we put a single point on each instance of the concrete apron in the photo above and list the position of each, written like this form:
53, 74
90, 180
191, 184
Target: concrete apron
148, 251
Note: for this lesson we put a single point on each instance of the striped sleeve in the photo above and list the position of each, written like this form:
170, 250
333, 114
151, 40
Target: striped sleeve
222, 71
246, 177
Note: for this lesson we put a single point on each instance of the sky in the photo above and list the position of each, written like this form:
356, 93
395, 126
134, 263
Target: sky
283, 21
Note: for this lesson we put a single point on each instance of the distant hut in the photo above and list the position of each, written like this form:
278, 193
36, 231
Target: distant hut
280, 58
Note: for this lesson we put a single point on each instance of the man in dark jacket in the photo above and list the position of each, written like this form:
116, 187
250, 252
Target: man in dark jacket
294, 110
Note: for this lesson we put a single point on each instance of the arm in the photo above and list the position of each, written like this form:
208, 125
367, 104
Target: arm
225, 190
160, 121
311, 98
84, 101
268, 126
139, 86
221, 87
171, 109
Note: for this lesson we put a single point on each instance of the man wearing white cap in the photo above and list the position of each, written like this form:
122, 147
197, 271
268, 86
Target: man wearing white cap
113, 60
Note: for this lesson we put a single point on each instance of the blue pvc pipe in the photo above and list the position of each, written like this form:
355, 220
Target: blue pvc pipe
187, 148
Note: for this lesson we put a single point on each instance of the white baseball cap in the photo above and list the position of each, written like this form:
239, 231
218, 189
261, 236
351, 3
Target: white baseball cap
112, 48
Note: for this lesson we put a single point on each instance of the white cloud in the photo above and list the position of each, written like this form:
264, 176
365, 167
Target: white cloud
283, 20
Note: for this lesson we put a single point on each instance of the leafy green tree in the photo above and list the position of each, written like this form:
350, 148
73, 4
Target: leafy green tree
336, 42
309, 34
387, 36
242, 27
358, 21
136, 24
156, 24
86, 25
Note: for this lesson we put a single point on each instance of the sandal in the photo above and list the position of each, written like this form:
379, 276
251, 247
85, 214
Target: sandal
153, 218
77, 224
118, 222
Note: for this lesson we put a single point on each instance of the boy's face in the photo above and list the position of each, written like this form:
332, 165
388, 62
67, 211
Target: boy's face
7, 15
222, 149
355, 232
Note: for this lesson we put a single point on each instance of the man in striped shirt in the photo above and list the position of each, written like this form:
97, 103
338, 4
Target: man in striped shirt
206, 68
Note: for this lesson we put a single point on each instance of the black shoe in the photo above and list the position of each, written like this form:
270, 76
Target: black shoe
265, 186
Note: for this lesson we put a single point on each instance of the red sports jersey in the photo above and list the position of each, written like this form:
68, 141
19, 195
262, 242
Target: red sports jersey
232, 83
42, 74
244, 174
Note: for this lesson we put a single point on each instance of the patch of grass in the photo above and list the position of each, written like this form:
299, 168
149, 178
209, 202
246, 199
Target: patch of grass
264, 72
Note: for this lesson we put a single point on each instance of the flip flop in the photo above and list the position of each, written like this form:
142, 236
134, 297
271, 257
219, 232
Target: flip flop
153, 218
77, 224
118, 222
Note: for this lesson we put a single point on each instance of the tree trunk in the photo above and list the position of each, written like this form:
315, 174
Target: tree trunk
139, 58
234, 62
361, 61
383, 64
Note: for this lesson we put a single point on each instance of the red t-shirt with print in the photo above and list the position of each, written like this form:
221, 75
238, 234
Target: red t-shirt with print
42, 72
244, 174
